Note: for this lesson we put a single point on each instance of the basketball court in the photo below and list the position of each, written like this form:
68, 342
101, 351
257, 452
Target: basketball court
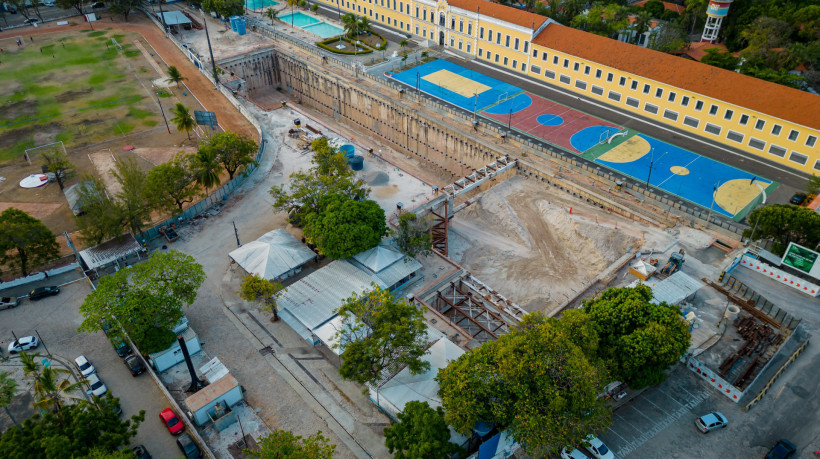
680, 172
727, 190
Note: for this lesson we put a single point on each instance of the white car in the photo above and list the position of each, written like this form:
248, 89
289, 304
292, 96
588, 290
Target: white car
97, 386
572, 454
23, 344
598, 449
84, 366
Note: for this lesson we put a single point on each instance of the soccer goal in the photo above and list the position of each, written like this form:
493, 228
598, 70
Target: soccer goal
10, 43
35, 153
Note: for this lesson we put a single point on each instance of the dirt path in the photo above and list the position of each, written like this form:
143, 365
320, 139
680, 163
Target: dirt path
212, 100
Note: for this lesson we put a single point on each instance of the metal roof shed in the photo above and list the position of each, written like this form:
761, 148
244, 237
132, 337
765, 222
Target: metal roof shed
275, 255
224, 389
310, 302
387, 264
110, 251
173, 18
72, 195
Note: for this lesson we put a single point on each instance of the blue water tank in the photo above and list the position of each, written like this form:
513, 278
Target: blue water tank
233, 19
348, 150
356, 163
240, 26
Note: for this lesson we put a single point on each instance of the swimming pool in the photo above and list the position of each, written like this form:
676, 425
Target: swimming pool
324, 30
298, 19
259, 4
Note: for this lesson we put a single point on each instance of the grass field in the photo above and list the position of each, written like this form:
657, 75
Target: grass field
77, 88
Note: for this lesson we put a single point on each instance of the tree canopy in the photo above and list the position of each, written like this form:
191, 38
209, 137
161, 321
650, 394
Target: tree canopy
281, 444
57, 162
131, 196
232, 150
534, 381
25, 241
71, 432
639, 340
413, 235
169, 186
420, 433
784, 223
342, 227
224, 8
146, 297
380, 332
254, 287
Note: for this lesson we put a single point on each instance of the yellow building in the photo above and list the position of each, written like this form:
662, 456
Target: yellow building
768, 120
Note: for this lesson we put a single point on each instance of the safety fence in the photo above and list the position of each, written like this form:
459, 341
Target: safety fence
220, 194
780, 371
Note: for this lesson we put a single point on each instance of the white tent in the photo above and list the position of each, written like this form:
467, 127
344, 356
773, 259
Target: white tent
394, 394
275, 255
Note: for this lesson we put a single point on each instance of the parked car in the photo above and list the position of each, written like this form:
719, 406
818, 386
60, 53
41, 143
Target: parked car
171, 421
140, 452
188, 447
134, 365
123, 349
98, 5
710, 422
84, 366
23, 344
8, 302
48, 2
598, 448
572, 454
42, 292
98, 388
31, 20
798, 198
782, 450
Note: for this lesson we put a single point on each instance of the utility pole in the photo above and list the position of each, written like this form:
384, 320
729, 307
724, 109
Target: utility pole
162, 110
714, 191
236, 233
210, 50
162, 18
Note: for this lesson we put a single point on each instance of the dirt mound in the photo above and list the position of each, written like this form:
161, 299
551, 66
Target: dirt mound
376, 178
523, 239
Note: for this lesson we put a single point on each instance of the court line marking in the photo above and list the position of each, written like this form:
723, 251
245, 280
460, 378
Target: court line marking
697, 157
688, 135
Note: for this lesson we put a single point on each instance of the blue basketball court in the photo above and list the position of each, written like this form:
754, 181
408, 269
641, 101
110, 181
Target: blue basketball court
458, 85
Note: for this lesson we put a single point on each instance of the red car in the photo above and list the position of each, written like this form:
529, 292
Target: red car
169, 418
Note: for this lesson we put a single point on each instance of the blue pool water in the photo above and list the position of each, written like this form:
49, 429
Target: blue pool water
324, 30
259, 4
298, 19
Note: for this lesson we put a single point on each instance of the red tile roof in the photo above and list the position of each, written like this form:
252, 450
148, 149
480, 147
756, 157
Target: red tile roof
666, 5
698, 49
501, 12
776, 100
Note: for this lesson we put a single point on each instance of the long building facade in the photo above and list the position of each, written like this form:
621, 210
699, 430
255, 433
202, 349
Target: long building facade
768, 120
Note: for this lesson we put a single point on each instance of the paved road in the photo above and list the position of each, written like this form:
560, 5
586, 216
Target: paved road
56, 319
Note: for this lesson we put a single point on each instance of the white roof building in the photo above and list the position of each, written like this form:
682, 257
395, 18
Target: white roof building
387, 264
275, 255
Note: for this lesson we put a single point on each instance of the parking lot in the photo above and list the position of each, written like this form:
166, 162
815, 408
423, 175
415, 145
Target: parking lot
56, 319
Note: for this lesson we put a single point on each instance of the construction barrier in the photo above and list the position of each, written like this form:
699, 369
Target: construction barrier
733, 393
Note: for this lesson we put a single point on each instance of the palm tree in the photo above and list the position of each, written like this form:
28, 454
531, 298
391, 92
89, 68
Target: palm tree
364, 25
182, 119
403, 44
424, 55
351, 23
31, 367
50, 391
642, 22
292, 4
8, 388
271, 14
174, 76
206, 168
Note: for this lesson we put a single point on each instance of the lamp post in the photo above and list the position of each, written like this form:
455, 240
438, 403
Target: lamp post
210, 50
162, 110
714, 191
651, 163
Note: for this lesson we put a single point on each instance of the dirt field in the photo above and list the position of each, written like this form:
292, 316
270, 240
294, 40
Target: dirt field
521, 238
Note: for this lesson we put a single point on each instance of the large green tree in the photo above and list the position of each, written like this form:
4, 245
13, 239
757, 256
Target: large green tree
131, 196
669, 37
282, 444
102, 216
420, 433
343, 227
717, 58
56, 162
784, 223
125, 7
380, 332
50, 390
146, 299
534, 382
413, 235
254, 288
72, 432
639, 340
602, 19
232, 150
169, 186
206, 168
25, 241
69, 4
8, 390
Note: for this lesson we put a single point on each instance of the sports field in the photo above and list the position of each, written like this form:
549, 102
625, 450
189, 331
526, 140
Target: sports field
78, 88
700, 180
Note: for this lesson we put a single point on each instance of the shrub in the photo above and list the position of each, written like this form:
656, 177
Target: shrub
328, 46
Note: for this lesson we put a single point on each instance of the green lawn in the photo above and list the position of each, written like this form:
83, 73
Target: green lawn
78, 88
